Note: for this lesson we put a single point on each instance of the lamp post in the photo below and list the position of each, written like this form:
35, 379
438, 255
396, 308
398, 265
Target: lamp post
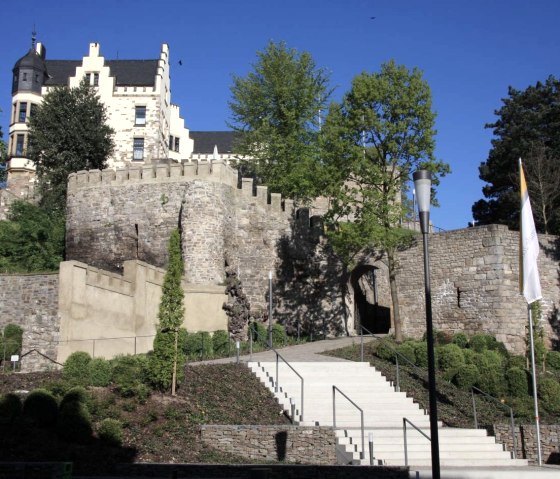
423, 186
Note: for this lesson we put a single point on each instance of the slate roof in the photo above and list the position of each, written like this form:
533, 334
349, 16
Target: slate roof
204, 141
126, 72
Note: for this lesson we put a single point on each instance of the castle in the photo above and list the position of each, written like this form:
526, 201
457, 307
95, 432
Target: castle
104, 299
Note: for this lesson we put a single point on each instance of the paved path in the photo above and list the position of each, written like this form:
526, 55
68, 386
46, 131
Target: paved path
300, 352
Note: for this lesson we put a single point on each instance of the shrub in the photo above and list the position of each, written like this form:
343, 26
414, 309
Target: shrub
553, 360
466, 377
259, 332
40, 407
421, 354
515, 361
478, 342
76, 369
10, 407
199, 345
492, 380
12, 341
99, 371
110, 431
443, 337
129, 369
76, 394
221, 343
461, 340
279, 336
488, 358
450, 357
406, 349
74, 423
386, 350
470, 356
517, 382
549, 392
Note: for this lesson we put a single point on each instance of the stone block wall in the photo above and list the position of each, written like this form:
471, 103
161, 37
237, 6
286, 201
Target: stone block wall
292, 444
526, 437
31, 301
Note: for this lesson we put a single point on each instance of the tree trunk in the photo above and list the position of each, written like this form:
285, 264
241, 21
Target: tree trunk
394, 294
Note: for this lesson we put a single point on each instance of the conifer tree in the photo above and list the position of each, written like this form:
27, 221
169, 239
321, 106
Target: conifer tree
168, 351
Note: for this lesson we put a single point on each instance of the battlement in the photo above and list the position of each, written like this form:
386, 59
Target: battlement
100, 278
212, 171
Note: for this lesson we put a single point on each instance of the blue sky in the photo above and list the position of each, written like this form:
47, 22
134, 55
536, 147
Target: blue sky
470, 52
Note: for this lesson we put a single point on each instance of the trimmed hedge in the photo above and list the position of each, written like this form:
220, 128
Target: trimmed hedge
549, 392
221, 342
386, 350
100, 372
76, 368
40, 406
10, 407
553, 360
110, 431
421, 354
406, 349
450, 357
466, 377
279, 336
517, 381
74, 423
461, 340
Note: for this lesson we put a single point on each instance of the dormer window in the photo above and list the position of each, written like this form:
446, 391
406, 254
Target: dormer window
140, 115
24, 76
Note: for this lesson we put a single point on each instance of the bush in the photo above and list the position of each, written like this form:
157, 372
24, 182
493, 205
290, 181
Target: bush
406, 349
553, 360
199, 345
443, 337
461, 340
99, 372
487, 358
492, 381
110, 431
515, 361
76, 394
421, 354
129, 369
466, 377
74, 423
549, 392
450, 357
518, 385
76, 368
479, 342
259, 333
221, 343
10, 407
386, 350
41, 407
470, 356
12, 341
279, 336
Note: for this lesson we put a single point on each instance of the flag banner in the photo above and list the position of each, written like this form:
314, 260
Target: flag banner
529, 282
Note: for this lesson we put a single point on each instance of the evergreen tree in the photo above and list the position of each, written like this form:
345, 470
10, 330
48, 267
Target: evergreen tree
373, 141
170, 337
276, 111
67, 133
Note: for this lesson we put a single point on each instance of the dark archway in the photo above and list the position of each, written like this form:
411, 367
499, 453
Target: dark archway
368, 312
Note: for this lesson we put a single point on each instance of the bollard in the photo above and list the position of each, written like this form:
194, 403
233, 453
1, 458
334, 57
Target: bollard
371, 456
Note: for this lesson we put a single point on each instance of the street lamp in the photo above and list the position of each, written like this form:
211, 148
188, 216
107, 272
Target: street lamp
423, 187
174, 377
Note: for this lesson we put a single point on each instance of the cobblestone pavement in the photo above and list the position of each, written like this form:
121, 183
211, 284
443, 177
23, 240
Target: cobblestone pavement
300, 352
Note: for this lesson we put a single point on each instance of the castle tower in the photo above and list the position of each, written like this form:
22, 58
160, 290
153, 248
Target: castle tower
29, 74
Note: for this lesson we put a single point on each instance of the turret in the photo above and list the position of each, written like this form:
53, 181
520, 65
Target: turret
30, 70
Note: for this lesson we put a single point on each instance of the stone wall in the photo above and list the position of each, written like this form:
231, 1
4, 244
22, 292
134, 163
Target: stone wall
31, 301
292, 444
527, 441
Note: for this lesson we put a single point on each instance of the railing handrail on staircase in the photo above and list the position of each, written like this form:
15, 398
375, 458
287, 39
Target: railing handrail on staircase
358, 408
405, 420
497, 401
276, 382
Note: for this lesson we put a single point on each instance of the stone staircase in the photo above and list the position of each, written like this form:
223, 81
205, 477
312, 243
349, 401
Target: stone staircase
383, 413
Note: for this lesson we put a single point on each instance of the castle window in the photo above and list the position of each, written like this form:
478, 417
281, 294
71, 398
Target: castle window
176, 143
171, 142
138, 149
20, 139
140, 116
22, 112
96, 79
24, 76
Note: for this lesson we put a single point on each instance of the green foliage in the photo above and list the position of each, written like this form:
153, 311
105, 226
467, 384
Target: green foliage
11, 341
466, 377
67, 133
479, 342
538, 335
515, 361
75, 394
199, 345
99, 372
31, 239
443, 337
470, 356
167, 351
421, 354
74, 422
549, 392
407, 350
450, 357
518, 384
461, 340
41, 408
385, 349
526, 127
10, 407
220, 342
275, 110
259, 332
279, 336
129, 372
76, 368
553, 360
492, 380
110, 431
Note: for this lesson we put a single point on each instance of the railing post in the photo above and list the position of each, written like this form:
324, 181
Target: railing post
93, 349
302, 387
398, 385
362, 454
361, 344
251, 342
474, 409
405, 443
201, 347
292, 409
276, 385
333, 407
135, 337
513, 435
371, 456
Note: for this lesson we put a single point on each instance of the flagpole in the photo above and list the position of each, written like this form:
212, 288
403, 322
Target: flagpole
535, 397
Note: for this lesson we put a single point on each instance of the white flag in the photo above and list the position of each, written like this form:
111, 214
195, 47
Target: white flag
529, 282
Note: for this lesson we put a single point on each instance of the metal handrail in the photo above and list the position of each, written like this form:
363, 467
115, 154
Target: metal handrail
357, 407
498, 401
405, 420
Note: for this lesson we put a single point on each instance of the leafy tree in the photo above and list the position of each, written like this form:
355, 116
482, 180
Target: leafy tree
382, 131
31, 239
167, 348
67, 133
527, 127
276, 109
